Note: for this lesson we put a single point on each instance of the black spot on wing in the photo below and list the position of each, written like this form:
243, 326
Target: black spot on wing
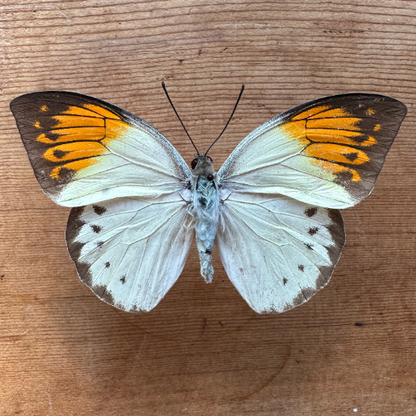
313, 230
65, 175
96, 228
107, 264
99, 210
123, 280
59, 154
284, 281
351, 156
301, 267
310, 212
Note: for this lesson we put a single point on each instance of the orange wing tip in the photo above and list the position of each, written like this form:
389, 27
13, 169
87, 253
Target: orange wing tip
73, 134
73, 151
311, 112
102, 111
337, 153
345, 137
346, 123
62, 172
80, 111
113, 130
336, 169
68, 121
333, 113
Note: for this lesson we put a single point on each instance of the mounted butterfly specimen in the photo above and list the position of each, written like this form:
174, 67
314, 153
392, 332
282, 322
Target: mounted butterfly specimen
271, 209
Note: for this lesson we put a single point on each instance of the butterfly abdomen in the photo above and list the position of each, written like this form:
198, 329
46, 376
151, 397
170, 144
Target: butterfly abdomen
205, 212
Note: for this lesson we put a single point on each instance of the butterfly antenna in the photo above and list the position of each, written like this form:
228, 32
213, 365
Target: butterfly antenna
228, 122
177, 115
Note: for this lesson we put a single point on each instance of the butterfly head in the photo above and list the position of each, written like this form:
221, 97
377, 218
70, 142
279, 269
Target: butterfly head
202, 166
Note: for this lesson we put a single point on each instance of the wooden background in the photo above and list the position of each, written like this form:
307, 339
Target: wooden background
203, 351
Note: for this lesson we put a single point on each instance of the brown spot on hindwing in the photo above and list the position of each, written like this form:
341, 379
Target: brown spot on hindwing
99, 209
96, 228
313, 230
311, 211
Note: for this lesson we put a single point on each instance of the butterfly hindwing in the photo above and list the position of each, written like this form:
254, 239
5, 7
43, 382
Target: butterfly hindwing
278, 252
130, 251
327, 152
84, 150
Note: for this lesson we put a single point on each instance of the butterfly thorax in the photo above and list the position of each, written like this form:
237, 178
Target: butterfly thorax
205, 210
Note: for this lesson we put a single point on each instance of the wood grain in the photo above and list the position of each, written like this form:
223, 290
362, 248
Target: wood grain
202, 351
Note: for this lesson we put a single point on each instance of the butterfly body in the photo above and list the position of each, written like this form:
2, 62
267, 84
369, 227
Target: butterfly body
271, 209
205, 210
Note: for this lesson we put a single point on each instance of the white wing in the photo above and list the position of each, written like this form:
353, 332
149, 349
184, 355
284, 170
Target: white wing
84, 150
130, 251
277, 252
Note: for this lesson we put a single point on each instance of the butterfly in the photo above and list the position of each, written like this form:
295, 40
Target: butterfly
271, 209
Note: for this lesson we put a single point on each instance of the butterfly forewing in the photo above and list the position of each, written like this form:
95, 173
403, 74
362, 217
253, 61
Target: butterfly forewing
84, 150
328, 152
130, 251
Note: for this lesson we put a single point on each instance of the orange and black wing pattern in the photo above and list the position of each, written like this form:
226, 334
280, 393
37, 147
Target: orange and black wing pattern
65, 133
347, 136
85, 150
